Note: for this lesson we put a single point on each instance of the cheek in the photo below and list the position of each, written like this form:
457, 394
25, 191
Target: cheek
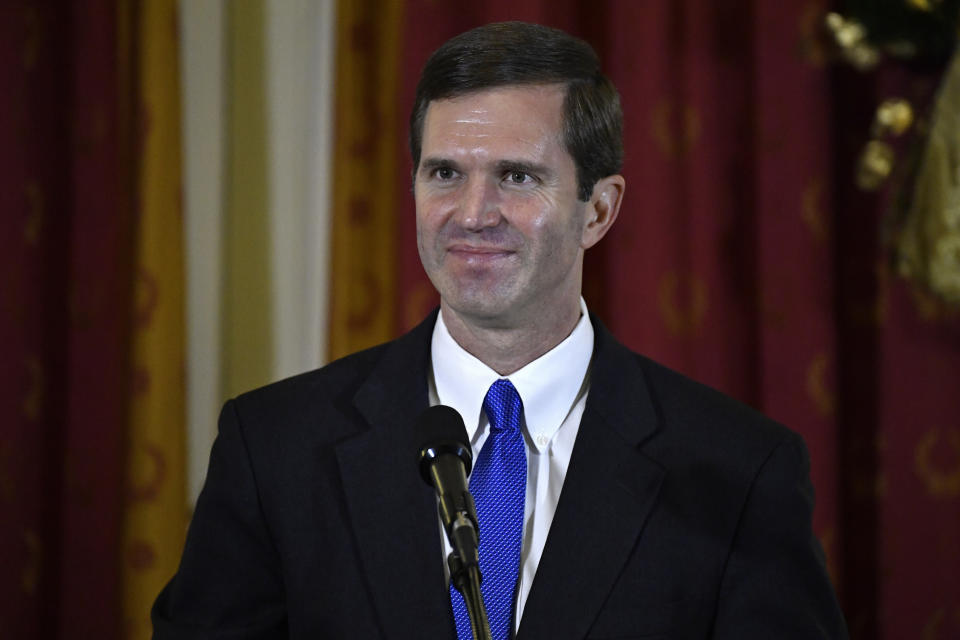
532, 214
426, 216
432, 208
553, 225
423, 230
430, 222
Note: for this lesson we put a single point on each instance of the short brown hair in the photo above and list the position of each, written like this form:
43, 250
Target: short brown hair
519, 53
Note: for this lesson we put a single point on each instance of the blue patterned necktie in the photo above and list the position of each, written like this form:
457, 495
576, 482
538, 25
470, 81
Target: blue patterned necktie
499, 485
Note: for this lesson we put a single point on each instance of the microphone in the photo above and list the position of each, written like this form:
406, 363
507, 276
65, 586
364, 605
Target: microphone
445, 462
445, 459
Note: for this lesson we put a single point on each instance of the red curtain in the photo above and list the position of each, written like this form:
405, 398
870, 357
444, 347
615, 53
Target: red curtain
745, 258
65, 270
80, 214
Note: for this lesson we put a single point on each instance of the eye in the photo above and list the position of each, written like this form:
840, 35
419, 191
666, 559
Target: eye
519, 177
444, 173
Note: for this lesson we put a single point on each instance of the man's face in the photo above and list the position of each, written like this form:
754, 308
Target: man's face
499, 227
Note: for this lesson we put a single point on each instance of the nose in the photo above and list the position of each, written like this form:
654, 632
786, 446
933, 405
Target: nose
479, 205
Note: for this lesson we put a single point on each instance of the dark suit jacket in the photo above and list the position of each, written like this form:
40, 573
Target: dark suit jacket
683, 515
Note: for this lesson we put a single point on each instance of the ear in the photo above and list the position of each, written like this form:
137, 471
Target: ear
602, 209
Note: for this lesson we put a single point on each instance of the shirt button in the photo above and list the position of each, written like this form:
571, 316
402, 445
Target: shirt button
542, 441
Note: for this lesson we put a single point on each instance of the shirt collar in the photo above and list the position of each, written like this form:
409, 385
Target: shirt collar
548, 386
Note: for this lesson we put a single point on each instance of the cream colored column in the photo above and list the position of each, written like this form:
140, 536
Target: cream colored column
202, 72
246, 359
258, 78
299, 49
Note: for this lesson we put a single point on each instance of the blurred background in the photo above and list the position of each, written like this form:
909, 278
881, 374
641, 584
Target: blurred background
200, 197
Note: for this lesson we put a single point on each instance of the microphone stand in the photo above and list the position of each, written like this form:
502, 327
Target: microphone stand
444, 464
466, 578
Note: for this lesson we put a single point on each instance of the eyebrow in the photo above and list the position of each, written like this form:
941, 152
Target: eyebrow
429, 164
540, 170
503, 166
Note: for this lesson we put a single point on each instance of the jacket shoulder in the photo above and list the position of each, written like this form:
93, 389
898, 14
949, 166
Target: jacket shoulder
682, 399
684, 422
705, 435
327, 398
329, 381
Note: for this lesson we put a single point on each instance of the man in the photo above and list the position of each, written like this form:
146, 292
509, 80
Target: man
616, 498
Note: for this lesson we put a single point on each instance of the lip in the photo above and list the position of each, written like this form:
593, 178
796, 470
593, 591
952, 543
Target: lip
467, 250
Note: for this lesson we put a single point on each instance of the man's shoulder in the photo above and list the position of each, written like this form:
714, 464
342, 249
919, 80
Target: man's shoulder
331, 379
693, 417
331, 390
319, 402
682, 395
713, 425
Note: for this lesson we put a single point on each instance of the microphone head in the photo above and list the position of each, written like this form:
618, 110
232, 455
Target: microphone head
441, 431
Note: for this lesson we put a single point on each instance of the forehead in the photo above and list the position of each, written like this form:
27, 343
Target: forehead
526, 116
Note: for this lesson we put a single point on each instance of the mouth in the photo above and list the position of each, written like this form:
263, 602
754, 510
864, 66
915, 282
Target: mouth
478, 255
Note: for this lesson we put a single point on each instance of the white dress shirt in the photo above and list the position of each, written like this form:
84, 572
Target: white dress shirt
553, 389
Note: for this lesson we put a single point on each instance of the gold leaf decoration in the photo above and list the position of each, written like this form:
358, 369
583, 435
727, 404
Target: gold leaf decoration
676, 128
683, 314
876, 164
940, 482
819, 388
894, 117
929, 244
851, 39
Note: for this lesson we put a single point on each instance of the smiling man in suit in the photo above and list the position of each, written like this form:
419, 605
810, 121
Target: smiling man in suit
616, 498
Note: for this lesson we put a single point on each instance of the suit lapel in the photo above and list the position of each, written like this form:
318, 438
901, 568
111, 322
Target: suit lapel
393, 513
610, 488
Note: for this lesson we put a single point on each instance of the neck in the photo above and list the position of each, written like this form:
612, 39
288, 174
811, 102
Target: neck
506, 349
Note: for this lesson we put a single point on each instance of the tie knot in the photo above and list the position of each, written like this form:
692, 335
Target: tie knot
503, 406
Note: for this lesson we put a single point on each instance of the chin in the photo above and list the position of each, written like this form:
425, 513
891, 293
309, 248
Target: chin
482, 309
478, 297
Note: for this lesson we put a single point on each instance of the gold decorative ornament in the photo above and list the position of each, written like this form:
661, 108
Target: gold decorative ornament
876, 164
851, 38
893, 117
925, 235
818, 388
928, 247
923, 5
675, 127
847, 33
943, 483
682, 319
149, 473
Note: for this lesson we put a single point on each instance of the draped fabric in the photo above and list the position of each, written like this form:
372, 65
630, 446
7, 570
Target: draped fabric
256, 78
745, 258
90, 316
367, 133
154, 508
899, 368
247, 289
